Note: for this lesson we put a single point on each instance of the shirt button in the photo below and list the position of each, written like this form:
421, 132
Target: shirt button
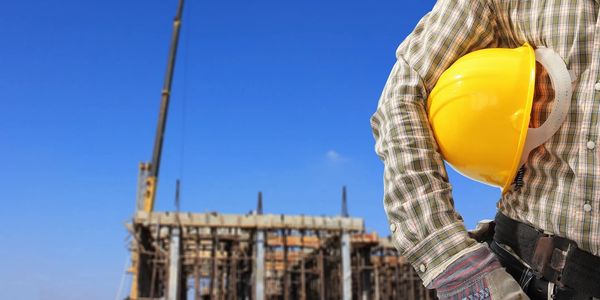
597, 86
422, 268
393, 227
587, 207
591, 145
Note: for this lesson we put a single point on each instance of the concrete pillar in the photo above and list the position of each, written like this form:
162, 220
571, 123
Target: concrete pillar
173, 292
346, 267
376, 275
259, 268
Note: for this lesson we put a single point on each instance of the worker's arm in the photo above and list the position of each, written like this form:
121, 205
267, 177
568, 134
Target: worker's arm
417, 196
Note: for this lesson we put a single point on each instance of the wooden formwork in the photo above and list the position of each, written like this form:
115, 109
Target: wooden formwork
264, 257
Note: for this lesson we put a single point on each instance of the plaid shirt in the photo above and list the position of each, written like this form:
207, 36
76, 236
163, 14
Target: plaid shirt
561, 187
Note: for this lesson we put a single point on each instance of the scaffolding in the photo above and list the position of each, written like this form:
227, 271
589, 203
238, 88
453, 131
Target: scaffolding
218, 256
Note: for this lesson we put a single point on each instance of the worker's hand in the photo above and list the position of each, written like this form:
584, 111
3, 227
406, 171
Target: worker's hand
477, 275
484, 232
496, 284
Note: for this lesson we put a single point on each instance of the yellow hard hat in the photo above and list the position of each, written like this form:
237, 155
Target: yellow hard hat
480, 107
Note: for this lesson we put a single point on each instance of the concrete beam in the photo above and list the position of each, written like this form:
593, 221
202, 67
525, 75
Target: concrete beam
250, 221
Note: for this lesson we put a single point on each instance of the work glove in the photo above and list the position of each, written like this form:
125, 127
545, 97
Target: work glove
477, 275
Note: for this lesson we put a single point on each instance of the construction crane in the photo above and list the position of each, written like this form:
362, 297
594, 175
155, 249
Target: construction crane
149, 171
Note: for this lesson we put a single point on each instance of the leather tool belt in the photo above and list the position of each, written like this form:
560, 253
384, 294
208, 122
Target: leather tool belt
574, 273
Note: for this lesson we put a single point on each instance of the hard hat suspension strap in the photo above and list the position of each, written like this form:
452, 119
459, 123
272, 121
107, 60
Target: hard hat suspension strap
561, 83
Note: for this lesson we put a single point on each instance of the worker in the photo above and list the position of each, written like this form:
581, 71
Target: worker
546, 243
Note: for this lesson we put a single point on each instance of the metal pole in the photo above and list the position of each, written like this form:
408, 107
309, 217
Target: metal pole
286, 285
344, 203
302, 268
177, 195
365, 273
197, 271
213, 267
411, 284
259, 205
141, 189
376, 274
233, 285
259, 263
321, 266
162, 116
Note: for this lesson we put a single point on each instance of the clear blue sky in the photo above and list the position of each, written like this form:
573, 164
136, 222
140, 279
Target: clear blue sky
268, 95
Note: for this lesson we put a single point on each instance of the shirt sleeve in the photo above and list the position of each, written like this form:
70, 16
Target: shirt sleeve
425, 227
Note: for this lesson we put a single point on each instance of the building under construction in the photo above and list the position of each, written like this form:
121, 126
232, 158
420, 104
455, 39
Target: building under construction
257, 256
265, 256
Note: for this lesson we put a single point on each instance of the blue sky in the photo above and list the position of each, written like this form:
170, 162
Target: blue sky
271, 96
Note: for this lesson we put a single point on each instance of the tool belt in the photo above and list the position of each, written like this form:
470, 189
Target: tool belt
555, 262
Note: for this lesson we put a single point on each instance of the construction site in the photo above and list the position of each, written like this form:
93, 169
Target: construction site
180, 255
265, 256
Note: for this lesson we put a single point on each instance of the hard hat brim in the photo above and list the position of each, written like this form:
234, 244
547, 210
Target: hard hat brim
526, 118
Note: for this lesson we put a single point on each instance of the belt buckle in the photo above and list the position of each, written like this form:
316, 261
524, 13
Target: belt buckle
550, 256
